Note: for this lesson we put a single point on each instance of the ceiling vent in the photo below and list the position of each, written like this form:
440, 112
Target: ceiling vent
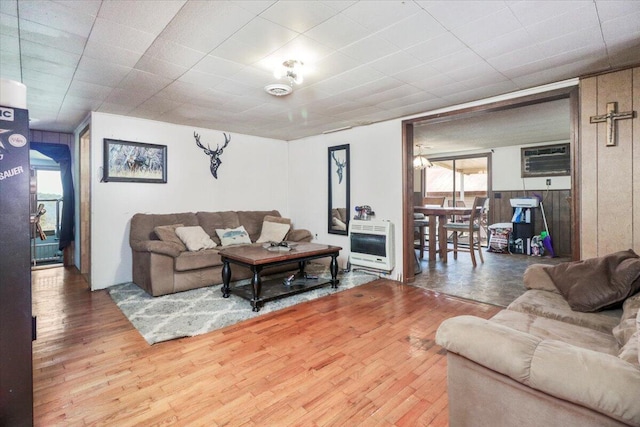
278, 89
549, 160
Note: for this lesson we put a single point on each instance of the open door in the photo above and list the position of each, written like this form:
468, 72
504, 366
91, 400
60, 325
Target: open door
85, 204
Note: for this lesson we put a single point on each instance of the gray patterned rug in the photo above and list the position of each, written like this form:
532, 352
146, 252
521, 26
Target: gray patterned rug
198, 311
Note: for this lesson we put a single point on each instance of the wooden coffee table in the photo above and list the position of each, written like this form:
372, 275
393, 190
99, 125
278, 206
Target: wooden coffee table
257, 258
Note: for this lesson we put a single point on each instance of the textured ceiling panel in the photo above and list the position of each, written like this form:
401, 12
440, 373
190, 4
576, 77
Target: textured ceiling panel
205, 63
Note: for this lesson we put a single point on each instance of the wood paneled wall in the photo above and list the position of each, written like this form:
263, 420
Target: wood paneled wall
557, 208
609, 176
52, 137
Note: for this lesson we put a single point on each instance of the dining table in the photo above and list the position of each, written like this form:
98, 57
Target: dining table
439, 215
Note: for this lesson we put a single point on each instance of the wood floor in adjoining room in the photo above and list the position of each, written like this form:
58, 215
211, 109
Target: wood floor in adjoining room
365, 356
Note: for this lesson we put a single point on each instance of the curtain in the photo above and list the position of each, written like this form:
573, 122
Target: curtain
61, 154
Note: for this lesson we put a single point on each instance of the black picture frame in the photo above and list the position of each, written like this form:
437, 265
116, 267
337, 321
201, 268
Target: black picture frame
128, 161
339, 184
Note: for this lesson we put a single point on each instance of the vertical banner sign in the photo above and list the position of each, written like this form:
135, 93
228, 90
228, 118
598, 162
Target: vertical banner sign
16, 377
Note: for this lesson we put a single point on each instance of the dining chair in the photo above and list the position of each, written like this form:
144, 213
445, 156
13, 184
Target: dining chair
435, 201
459, 204
472, 227
421, 223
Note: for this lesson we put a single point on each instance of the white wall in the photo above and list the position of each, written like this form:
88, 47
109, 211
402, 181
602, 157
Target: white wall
259, 173
376, 180
506, 170
253, 176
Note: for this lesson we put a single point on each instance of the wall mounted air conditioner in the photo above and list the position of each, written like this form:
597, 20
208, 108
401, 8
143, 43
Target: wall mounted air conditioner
548, 160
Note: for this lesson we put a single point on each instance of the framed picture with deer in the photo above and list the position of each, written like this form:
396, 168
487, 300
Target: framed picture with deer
127, 161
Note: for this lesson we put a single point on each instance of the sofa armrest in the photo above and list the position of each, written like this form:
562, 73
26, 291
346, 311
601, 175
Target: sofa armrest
300, 235
157, 246
599, 381
497, 347
536, 277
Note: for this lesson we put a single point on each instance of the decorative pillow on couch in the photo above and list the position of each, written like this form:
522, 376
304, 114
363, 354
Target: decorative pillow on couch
195, 238
274, 229
233, 236
598, 283
167, 233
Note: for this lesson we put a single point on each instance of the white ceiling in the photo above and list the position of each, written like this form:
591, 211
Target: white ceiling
205, 63
537, 123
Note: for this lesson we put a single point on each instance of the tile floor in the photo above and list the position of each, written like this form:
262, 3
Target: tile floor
497, 281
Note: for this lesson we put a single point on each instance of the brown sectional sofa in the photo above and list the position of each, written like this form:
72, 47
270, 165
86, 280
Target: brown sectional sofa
539, 363
162, 267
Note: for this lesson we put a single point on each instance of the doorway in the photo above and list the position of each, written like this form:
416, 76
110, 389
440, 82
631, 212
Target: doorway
46, 206
480, 115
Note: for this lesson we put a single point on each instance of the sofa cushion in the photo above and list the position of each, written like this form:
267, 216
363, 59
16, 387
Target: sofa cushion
598, 283
195, 238
210, 221
167, 233
627, 326
536, 277
629, 351
233, 236
194, 260
142, 225
252, 221
554, 306
274, 229
546, 328
588, 378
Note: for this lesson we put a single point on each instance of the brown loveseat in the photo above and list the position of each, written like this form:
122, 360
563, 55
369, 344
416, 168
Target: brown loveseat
540, 363
164, 267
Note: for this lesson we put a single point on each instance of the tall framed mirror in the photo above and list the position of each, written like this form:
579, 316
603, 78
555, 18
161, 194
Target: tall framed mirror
339, 189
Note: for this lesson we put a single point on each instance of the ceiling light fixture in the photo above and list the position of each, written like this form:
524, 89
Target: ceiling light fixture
292, 70
278, 89
420, 161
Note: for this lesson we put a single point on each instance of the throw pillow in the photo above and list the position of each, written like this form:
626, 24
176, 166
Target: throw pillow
195, 238
274, 231
598, 283
167, 233
233, 236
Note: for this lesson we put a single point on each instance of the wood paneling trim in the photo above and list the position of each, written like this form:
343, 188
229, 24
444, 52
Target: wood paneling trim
52, 137
589, 168
408, 261
635, 214
576, 168
609, 175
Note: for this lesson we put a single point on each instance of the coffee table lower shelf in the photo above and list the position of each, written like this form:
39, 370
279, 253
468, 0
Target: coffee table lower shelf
273, 289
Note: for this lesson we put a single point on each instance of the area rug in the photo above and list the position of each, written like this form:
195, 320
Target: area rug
202, 310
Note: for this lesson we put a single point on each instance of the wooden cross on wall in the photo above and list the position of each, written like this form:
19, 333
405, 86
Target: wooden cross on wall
611, 118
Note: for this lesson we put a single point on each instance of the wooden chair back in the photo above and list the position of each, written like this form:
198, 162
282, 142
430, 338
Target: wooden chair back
478, 209
473, 227
435, 201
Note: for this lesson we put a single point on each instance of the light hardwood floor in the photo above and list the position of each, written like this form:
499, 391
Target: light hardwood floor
365, 356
